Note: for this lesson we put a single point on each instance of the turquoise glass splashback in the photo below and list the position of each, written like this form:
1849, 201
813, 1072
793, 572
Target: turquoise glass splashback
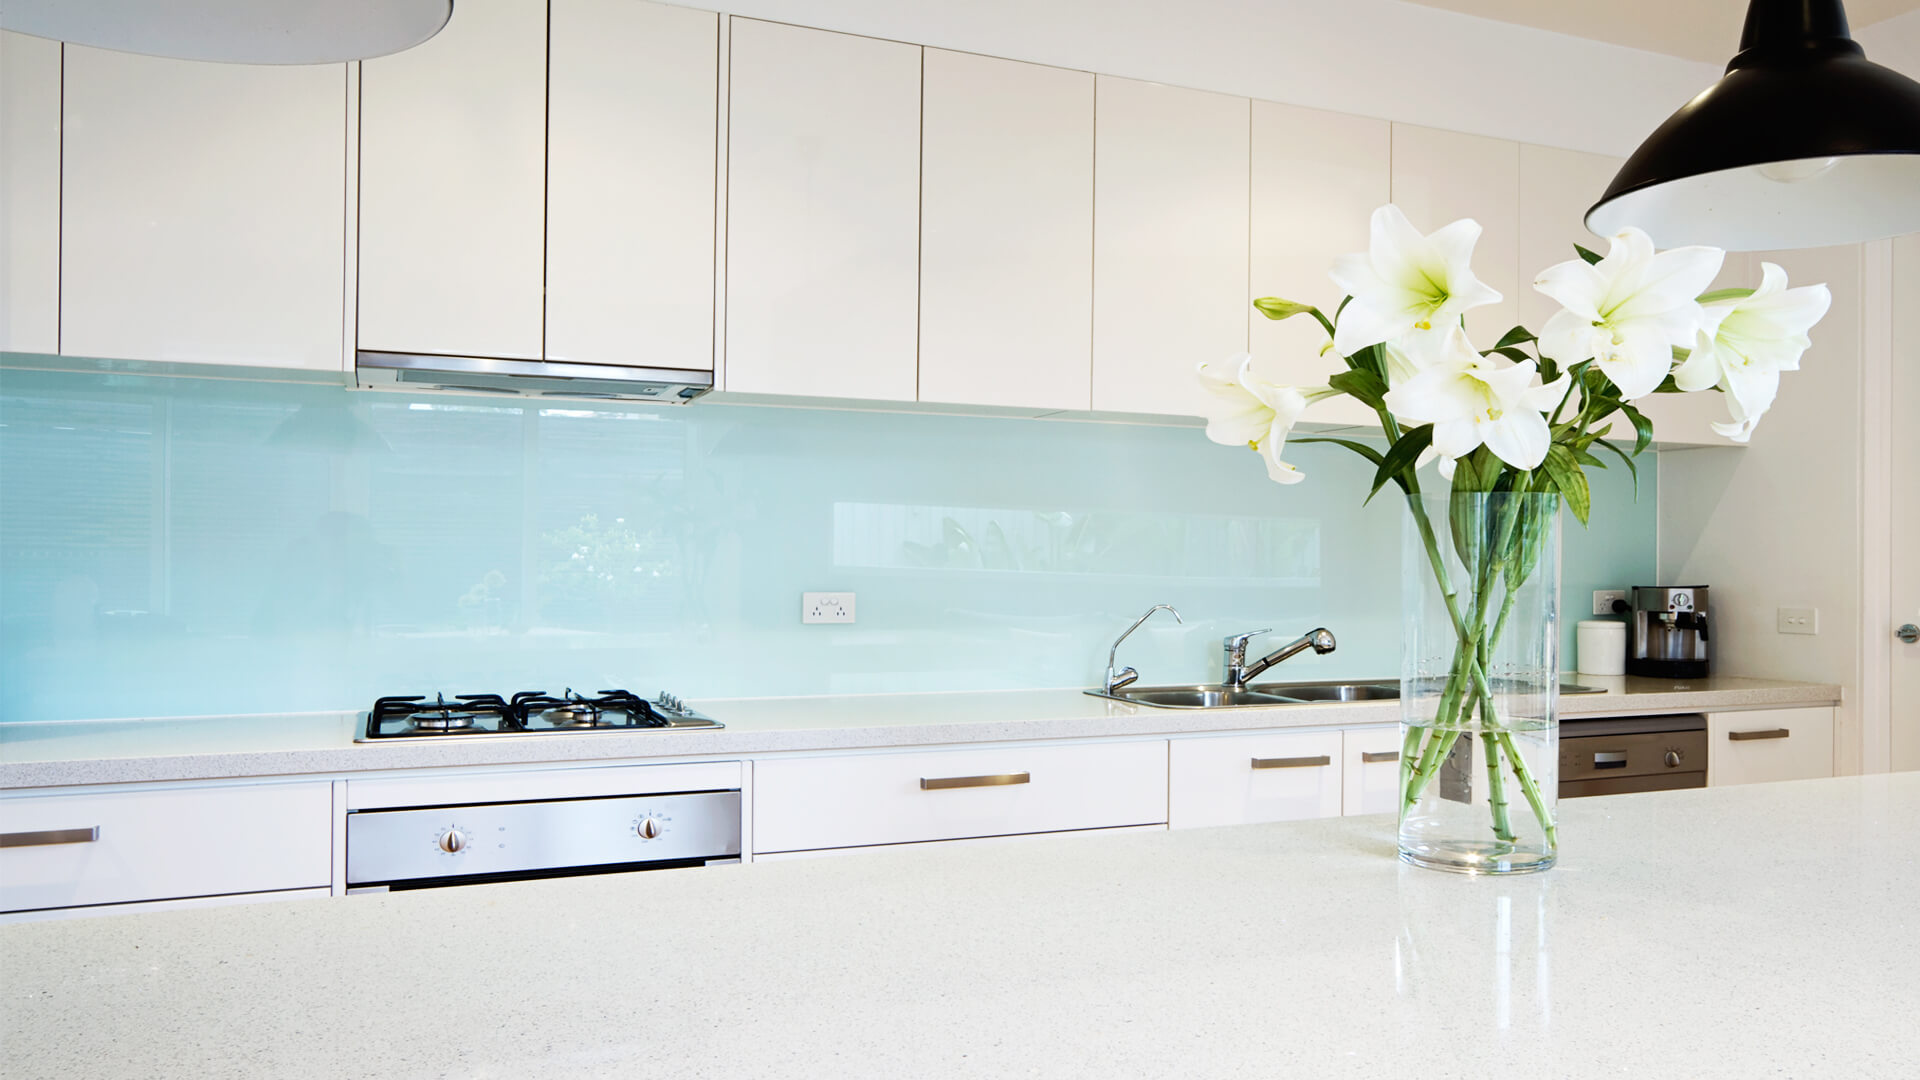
187, 546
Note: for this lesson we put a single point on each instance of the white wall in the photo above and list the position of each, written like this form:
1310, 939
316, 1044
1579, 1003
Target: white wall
1778, 524
1894, 42
1382, 58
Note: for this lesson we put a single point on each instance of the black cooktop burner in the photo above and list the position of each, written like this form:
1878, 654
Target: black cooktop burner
530, 712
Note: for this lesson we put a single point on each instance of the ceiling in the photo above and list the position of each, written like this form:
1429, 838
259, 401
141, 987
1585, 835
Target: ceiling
1694, 29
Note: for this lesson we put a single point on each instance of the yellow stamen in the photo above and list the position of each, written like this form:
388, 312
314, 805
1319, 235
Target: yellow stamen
1423, 325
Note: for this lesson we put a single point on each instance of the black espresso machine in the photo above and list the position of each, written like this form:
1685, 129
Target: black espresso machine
1667, 631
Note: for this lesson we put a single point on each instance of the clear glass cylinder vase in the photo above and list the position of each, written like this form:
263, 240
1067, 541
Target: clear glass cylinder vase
1480, 682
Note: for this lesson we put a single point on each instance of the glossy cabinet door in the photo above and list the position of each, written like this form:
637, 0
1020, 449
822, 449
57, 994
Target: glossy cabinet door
1769, 744
203, 211
29, 193
1170, 242
1006, 233
632, 109
1371, 768
1441, 176
1317, 178
452, 181
823, 213
1241, 779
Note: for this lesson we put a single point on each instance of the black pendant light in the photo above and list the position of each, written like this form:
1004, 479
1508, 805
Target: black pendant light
1802, 143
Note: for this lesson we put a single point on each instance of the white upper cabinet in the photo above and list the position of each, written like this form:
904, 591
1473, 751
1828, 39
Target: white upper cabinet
633, 97
1169, 242
29, 194
1441, 176
1317, 178
452, 180
1006, 233
203, 211
823, 213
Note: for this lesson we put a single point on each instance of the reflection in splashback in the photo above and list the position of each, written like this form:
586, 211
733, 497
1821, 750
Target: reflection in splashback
174, 546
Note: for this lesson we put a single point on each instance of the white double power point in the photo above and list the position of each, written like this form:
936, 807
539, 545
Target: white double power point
826, 607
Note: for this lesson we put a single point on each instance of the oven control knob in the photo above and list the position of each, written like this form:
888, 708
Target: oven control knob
1673, 759
648, 829
453, 841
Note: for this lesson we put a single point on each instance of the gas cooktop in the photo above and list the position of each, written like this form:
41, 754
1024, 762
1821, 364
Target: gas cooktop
530, 712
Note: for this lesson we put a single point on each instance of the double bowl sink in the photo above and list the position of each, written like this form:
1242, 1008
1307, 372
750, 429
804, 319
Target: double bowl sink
1218, 696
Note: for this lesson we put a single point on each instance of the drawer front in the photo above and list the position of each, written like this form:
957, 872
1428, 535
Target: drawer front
110, 848
1769, 744
971, 841
806, 803
1236, 780
1370, 781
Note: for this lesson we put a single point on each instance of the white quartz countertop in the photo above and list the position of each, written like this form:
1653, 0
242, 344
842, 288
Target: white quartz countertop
65, 753
1722, 932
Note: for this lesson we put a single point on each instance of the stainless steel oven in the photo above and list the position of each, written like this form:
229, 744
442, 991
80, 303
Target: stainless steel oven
1613, 755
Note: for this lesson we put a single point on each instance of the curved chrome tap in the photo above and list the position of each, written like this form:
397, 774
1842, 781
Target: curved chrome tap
1238, 671
1116, 681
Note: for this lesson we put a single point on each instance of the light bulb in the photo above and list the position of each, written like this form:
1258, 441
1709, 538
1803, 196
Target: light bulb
1792, 172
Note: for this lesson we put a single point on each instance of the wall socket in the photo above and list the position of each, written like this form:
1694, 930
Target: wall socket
1798, 620
1603, 600
826, 607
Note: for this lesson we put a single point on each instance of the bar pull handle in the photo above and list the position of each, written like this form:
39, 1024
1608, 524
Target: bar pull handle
1291, 762
941, 783
1611, 759
47, 837
1745, 736
1371, 757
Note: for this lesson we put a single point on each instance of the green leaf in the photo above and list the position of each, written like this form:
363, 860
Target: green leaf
1363, 386
1360, 448
1642, 428
1631, 468
1516, 336
1275, 308
1400, 458
1571, 480
1518, 356
1591, 256
1723, 294
1585, 458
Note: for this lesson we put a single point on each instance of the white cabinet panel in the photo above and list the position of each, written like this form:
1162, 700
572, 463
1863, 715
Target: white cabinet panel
1169, 242
633, 98
972, 841
161, 845
29, 194
823, 213
891, 798
452, 178
1441, 176
203, 211
1317, 178
1770, 744
1371, 768
1006, 233
1556, 188
1240, 779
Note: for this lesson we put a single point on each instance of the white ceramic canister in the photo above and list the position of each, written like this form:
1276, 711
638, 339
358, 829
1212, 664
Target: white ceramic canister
1602, 647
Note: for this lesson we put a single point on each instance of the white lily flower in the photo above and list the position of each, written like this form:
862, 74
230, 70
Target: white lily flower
1247, 410
1406, 282
1472, 400
1757, 337
1628, 311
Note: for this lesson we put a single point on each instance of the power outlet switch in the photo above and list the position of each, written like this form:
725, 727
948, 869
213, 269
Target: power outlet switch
1798, 620
826, 607
1603, 600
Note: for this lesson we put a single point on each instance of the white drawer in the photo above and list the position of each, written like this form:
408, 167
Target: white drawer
1370, 781
856, 800
161, 845
1769, 744
922, 845
1235, 780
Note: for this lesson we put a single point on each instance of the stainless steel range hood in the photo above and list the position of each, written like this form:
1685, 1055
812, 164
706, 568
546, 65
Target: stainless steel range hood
528, 378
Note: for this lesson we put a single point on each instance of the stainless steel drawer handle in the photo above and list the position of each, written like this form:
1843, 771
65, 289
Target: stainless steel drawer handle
1744, 736
938, 783
1291, 762
45, 837
1370, 757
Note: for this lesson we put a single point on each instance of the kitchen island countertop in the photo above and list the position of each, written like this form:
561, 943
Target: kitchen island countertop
1726, 932
83, 752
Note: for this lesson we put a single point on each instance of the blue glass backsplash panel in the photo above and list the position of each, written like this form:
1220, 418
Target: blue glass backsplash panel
186, 546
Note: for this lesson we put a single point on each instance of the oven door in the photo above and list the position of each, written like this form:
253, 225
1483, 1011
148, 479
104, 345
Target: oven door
1641, 753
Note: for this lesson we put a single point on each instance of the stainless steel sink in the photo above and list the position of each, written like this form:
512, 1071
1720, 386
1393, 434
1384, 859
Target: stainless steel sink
1330, 691
1194, 697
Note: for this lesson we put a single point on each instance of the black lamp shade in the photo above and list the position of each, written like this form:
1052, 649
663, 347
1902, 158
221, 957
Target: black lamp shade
1803, 143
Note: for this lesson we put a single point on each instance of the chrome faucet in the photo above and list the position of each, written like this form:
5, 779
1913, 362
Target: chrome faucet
1117, 680
1239, 671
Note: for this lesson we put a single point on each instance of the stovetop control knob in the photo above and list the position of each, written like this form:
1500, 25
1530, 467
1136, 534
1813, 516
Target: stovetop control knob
453, 841
648, 828
1673, 759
